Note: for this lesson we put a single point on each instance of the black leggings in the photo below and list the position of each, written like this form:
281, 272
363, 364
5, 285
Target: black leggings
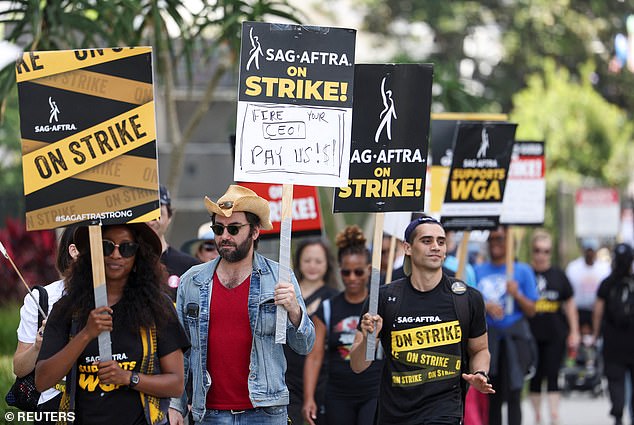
350, 412
615, 373
503, 393
549, 360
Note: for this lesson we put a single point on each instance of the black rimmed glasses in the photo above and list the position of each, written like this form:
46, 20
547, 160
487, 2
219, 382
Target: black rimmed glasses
126, 249
233, 229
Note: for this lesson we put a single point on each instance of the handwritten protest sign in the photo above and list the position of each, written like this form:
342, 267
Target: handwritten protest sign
294, 104
88, 136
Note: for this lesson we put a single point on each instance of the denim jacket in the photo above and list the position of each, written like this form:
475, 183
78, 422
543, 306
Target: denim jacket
267, 386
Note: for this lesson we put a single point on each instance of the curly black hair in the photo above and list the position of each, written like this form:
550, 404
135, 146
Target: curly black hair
145, 301
351, 241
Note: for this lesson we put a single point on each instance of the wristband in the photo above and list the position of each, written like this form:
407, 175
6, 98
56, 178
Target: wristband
483, 373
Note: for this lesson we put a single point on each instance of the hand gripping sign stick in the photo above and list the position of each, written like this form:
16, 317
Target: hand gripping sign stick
373, 306
285, 258
6, 255
99, 285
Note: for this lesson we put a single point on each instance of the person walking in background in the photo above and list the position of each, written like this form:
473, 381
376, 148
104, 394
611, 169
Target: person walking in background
315, 270
351, 398
147, 340
555, 325
432, 327
399, 256
613, 316
175, 261
508, 304
29, 336
585, 273
203, 248
228, 307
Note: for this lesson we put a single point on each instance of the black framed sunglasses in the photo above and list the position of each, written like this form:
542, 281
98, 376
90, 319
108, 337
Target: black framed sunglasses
233, 229
357, 272
126, 249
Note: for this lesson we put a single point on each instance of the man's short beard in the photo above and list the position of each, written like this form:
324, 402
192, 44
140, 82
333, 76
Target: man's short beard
239, 253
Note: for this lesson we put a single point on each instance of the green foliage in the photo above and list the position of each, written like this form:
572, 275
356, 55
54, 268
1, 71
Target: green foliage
6, 380
10, 318
586, 137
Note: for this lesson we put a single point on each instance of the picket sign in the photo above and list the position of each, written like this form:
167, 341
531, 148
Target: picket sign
99, 286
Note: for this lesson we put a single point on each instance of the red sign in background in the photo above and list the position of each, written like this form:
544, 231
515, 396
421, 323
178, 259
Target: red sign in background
306, 211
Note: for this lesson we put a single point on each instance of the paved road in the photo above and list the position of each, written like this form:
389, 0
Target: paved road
578, 408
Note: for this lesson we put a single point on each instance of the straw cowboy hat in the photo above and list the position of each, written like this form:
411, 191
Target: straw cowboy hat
239, 198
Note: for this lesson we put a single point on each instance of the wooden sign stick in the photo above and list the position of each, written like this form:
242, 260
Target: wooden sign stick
510, 271
390, 259
99, 286
375, 281
285, 258
463, 249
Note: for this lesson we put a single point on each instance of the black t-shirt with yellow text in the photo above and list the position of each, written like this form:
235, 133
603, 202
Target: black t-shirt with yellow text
422, 339
103, 404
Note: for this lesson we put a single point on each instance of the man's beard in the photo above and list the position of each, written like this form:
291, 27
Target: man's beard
239, 253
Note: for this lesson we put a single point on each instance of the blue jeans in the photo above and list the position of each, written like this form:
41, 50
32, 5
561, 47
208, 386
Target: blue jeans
275, 415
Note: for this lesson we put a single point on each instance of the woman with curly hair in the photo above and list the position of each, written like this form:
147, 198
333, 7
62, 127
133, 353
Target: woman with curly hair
147, 339
351, 398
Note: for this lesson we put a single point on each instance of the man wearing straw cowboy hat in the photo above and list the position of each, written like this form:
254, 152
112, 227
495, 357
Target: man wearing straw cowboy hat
236, 366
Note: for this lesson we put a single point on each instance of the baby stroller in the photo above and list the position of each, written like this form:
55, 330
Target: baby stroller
584, 371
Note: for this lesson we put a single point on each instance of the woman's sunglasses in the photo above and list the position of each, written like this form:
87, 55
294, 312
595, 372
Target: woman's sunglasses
126, 249
357, 272
233, 229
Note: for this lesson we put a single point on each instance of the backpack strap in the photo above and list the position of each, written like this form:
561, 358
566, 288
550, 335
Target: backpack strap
459, 291
43, 301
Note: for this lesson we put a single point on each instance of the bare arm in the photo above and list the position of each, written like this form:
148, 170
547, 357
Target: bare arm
50, 371
358, 363
479, 359
169, 383
527, 305
25, 357
570, 309
597, 317
312, 366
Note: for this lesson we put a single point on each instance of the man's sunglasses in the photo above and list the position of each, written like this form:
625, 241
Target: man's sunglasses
357, 272
126, 249
233, 229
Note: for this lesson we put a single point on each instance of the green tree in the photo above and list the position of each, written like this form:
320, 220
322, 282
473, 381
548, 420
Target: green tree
588, 142
514, 37
182, 37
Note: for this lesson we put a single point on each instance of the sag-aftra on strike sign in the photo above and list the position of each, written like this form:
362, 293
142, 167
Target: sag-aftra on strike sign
88, 136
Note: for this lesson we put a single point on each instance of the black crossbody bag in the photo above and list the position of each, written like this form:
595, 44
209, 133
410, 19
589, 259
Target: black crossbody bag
23, 393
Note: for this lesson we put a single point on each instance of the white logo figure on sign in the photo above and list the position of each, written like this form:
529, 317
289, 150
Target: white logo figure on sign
54, 110
386, 114
484, 144
255, 52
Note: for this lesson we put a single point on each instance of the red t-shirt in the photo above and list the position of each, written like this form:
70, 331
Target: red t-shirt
229, 347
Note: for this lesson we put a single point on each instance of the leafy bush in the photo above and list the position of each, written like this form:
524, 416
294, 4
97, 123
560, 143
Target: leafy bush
6, 380
10, 318
33, 254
